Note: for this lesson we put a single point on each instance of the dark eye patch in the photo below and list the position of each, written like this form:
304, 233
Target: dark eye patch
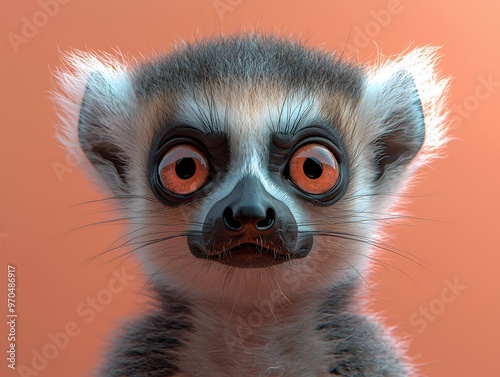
284, 145
214, 145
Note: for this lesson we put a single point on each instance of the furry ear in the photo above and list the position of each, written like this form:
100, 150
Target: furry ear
402, 129
100, 109
97, 96
403, 116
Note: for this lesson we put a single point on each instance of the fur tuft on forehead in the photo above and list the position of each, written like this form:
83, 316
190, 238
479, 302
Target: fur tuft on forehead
247, 60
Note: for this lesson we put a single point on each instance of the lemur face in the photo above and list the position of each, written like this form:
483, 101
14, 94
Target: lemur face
251, 165
255, 189
254, 169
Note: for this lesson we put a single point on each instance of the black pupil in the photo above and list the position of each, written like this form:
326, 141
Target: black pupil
312, 168
185, 168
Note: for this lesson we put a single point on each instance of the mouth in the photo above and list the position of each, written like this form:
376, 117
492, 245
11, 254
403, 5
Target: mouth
248, 255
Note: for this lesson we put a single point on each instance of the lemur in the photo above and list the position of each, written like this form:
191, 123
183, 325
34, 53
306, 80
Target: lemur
257, 172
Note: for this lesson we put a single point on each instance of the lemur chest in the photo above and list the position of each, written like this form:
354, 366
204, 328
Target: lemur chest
248, 348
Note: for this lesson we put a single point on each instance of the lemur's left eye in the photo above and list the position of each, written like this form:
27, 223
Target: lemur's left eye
314, 169
183, 169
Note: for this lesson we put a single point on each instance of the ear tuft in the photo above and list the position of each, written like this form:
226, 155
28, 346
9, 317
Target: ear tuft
403, 105
404, 128
95, 104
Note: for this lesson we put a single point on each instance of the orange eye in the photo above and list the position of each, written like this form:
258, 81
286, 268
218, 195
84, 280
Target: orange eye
314, 169
183, 169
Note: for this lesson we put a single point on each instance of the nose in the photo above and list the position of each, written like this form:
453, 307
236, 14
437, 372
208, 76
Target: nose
251, 208
249, 216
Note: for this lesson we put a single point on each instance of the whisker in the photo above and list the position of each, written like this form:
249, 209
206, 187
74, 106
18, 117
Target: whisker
142, 245
109, 198
376, 244
362, 277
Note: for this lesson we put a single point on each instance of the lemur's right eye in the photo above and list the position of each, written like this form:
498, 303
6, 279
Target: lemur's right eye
183, 169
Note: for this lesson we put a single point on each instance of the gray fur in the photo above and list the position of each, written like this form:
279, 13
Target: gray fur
254, 60
299, 318
150, 346
154, 345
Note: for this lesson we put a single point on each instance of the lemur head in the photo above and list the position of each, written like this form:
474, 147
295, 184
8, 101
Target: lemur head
251, 164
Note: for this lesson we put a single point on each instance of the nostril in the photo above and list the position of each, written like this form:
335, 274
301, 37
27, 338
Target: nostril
268, 221
230, 221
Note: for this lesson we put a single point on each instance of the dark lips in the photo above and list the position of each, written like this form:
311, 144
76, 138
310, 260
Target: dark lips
250, 256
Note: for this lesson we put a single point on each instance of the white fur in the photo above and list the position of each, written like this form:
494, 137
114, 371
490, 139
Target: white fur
432, 88
72, 82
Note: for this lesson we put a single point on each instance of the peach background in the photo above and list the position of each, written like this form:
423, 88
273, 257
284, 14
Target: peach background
458, 195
